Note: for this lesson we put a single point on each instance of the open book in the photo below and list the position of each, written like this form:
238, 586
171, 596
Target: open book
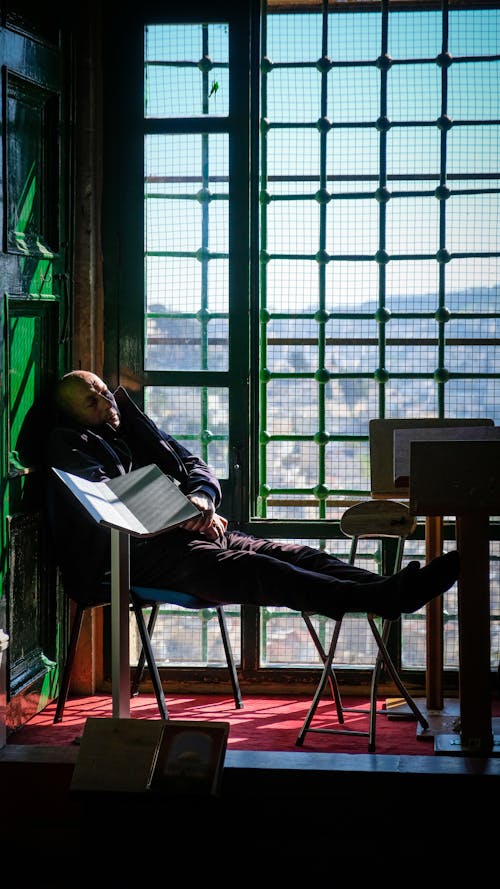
142, 502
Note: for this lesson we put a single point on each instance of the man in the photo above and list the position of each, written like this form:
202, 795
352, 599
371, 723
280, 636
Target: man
100, 435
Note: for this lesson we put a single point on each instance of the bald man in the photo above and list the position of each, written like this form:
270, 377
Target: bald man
101, 434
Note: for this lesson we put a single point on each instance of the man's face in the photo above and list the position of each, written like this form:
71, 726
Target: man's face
89, 401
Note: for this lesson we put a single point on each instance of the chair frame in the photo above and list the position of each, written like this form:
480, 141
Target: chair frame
139, 601
146, 633
394, 523
76, 627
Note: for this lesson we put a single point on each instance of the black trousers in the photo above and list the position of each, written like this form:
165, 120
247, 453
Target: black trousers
242, 569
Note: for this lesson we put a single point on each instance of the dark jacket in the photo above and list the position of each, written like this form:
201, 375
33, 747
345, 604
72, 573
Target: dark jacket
82, 546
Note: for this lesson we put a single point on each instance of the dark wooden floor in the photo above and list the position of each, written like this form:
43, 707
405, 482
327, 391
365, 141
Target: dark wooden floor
311, 806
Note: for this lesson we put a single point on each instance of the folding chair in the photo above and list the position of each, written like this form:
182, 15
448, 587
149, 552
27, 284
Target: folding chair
140, 598
375, 519
144, 598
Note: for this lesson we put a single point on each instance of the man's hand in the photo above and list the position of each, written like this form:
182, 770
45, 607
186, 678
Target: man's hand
217, 528
208, 523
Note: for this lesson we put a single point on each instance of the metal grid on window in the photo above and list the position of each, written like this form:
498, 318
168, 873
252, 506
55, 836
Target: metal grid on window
186, 276
197, 416
379, 233
186, 251
379, 253
185, 637
186, 70
186, 178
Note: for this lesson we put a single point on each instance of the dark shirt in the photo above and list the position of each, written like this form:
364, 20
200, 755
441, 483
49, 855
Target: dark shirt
82, 546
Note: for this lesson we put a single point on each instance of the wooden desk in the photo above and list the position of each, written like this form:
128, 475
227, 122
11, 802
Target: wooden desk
383, 485
461, 478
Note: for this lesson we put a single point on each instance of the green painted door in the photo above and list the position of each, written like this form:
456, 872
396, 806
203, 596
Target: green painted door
35, 305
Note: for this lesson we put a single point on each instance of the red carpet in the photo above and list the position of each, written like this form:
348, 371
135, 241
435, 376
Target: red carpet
265, 723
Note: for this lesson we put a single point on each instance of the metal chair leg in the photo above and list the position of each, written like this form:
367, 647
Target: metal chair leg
327, 671
229, 658
139, 670
385, 658
70, 657
388, 520
332, 679
153, 669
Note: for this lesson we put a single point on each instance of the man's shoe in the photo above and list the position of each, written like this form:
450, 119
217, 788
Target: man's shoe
411, 589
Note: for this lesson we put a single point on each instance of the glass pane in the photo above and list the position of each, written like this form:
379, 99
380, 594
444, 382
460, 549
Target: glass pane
197, 417
379, 219
186, 71
379, 216
187, 251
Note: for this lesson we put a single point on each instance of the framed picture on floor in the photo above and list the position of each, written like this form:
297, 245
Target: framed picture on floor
190, 758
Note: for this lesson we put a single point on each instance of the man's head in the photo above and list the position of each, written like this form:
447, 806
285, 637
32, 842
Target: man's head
83, 397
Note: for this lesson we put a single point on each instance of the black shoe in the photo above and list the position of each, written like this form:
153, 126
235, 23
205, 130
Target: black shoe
411, 588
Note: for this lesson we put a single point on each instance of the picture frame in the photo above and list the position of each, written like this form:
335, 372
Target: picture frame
190, 758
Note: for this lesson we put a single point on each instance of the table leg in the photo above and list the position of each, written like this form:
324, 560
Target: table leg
120, 650
474, 632
434, 620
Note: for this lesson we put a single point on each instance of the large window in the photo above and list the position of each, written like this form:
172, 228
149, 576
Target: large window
379, 251
319, 247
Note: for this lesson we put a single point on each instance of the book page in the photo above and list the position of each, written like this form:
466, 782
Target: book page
99, 501
153, 498
142, 502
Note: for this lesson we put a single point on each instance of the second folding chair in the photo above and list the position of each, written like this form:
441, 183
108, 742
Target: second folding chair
378, 520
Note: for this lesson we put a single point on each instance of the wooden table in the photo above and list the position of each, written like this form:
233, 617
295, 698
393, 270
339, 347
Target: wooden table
390, 481
460, 477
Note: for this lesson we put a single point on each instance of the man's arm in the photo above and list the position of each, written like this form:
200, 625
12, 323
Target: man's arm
157, 446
